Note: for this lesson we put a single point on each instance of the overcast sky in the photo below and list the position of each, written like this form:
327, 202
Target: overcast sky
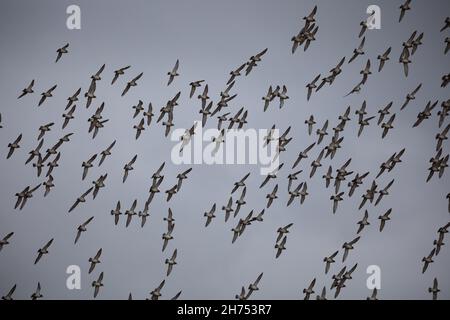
211, 38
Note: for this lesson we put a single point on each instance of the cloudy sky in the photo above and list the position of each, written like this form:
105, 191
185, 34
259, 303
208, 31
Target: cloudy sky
211, 38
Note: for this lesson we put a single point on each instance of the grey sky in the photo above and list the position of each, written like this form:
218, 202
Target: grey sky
211, 38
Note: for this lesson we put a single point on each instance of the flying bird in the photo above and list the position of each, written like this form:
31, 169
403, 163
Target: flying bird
311, 17
139, 128
384, 192
311, 86
427, 260
156, 293
403, 8
358, 51
383, 112
204, 96
336, 198
254, 286
445, 80
387, 126
365, 72
310, 122
37, 294
149, 114
446, 24
4, 241
316, 164
171, 262
131, 83
43, 250
68, 116
46, 94
272, 196
90, 94
411, 96
383, 58
303, 154
61, 51
106, 152
242, 295
228, 208
362, 123
144, 214
210, 215
130, 213
138, 108
280, 247
347, 246
128, 167
404, 59
268, 98
44, 129
434, 290
329, 260
96, 76
282, 231
39, 165
168, 235
194, 85
283, 96
87, 164
170, 192
98, 184
24, 195
116, 213
309, 291
27, 90
240, 202
97, 284
118, 73
236, 73
383, 218
13, 146
172, 74
82, 228
8, 296
81, 199
364, 222
182, 176
95, 260
271, 175
240, 183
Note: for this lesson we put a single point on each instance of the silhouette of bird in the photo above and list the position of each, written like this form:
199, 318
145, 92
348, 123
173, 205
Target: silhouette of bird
131, 83
27, 90
61, 51
118, 73
82, 228
43, 250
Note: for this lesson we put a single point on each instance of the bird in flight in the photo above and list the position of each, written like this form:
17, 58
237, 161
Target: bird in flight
43, 250
118, 73
131, 83
172, 74
27, 90
61, 51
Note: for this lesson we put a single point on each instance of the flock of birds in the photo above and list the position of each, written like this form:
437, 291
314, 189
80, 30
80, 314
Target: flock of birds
373, 195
